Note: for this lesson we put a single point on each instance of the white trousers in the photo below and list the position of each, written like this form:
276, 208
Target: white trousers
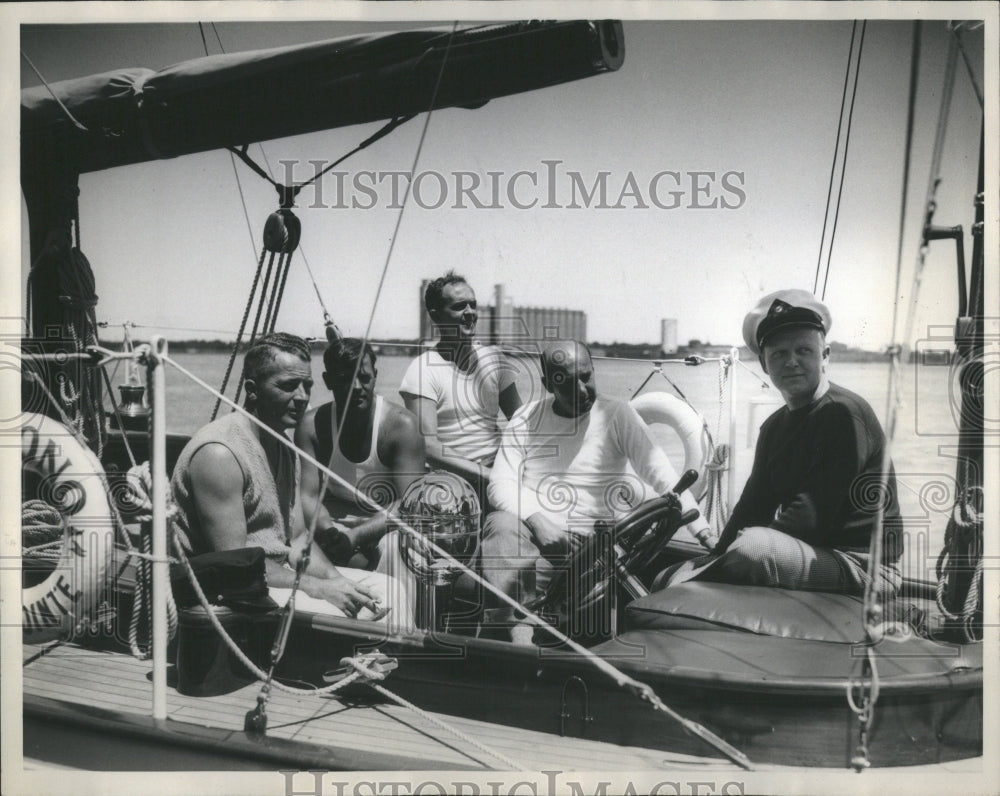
391, 582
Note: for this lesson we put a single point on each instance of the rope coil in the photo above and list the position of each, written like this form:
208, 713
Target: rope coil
42, 527
963, 543
139, 480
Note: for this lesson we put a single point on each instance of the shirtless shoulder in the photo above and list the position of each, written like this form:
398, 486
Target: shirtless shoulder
214, 468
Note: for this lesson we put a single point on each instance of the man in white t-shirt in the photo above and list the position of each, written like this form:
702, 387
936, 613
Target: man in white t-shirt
561, 467
458, 388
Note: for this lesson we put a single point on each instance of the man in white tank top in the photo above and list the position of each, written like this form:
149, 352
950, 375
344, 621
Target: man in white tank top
375, 449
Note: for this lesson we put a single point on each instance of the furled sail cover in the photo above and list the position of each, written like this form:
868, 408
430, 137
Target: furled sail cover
135, 115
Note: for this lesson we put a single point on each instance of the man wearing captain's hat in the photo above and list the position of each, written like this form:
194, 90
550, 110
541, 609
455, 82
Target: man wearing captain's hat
810, 506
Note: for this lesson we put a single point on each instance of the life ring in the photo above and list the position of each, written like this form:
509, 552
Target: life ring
687, 424
58, 471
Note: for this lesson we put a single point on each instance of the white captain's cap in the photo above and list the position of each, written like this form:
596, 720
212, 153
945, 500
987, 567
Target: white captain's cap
781, 310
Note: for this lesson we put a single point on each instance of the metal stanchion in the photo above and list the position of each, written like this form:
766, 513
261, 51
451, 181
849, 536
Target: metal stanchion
161, 574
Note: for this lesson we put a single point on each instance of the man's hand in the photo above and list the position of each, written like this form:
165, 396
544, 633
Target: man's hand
346, 595
706, 537
552, 540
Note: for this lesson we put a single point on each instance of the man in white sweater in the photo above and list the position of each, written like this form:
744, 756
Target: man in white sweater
561, 467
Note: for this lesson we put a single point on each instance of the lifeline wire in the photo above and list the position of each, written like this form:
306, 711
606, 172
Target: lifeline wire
262, 676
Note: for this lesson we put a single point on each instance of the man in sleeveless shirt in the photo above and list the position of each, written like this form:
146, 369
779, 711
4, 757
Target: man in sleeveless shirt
809, 509
375, 449
457, 389
235, 486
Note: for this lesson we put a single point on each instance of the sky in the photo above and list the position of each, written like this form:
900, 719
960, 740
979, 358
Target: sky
752, 105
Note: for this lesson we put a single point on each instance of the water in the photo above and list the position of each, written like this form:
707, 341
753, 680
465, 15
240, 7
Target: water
923, 448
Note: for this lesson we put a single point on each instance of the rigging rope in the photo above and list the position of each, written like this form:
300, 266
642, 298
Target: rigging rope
956, 29
75, 122
140, 481
962, 550
843, 169
258, 719
239, 334
305, 259
360, 668
843, 161
836, 150
894, 399
287, 196
872, 610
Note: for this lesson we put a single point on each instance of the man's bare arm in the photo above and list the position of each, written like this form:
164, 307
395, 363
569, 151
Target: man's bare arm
406, 447
217, 488
217, 481
401, 446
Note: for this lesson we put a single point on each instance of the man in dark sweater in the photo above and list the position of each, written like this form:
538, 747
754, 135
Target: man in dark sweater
808, 511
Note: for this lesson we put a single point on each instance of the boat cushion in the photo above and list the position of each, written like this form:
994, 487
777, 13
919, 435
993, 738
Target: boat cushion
767, 611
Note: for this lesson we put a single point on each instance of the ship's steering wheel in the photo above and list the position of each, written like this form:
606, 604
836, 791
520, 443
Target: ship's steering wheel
630, 547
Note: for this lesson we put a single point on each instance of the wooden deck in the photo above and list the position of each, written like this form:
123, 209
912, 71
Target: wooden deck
97, 681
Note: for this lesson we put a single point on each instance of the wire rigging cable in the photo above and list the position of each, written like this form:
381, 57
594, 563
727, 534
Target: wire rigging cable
855, 62
872, 610
76, 123
836, 149
956, 28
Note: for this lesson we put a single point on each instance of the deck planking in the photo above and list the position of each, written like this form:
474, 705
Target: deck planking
117, 681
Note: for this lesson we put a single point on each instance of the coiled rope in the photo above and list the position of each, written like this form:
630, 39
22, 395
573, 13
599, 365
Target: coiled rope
962, 545
140, 483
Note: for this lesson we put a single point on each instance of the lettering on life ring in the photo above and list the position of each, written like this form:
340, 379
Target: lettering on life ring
57, 469
687, 424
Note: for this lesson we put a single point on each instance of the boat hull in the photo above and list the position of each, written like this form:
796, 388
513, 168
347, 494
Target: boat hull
780, 701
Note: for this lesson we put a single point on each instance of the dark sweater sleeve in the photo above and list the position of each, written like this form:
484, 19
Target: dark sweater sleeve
755, 506
836, 456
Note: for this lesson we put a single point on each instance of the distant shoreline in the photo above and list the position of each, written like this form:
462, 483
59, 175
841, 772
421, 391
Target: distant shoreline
644, 351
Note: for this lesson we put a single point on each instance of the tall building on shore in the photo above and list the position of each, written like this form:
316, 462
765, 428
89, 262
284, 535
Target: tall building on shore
504, 322
668, 336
